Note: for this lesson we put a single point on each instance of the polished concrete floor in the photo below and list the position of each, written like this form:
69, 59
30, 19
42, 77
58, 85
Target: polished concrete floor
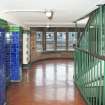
46, 83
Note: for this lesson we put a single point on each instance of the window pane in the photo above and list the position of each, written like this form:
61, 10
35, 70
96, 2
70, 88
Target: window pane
50, 43
39, 41
81, 34
61, 40
72, 40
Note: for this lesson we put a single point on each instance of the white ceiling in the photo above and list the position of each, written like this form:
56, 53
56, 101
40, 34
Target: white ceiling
65, 11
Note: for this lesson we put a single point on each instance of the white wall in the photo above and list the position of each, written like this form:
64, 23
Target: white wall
26, 48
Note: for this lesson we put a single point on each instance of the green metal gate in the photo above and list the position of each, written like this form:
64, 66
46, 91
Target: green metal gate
90, 59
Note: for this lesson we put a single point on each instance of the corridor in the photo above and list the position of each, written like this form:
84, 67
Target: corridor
48, 82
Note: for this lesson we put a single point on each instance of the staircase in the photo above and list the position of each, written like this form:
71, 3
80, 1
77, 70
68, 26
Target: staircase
90, 59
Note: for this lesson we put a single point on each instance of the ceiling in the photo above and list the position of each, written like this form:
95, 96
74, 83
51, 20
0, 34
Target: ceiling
65, 11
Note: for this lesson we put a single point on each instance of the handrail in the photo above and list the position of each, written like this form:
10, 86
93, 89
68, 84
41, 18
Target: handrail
90, 16
93, 54
85, 27
89, 74
86, 15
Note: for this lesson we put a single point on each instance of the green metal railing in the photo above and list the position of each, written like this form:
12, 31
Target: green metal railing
93, 38
90, 59
89, 76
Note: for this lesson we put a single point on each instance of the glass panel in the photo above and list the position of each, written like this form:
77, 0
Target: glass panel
39, 41
72, 40
61, 40
50, 43
81, 33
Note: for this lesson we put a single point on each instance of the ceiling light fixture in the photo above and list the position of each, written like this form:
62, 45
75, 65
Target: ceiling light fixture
49, 14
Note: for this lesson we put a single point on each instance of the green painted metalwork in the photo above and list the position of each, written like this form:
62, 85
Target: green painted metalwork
15, 28
93, 39
89, 65
3, 24
89, 77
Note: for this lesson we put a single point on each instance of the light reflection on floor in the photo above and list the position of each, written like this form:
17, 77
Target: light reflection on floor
47, 83
55, 77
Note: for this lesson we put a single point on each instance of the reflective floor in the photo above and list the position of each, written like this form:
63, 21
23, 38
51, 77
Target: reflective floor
46, 83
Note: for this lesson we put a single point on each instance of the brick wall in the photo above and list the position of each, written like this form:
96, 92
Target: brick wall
35, 56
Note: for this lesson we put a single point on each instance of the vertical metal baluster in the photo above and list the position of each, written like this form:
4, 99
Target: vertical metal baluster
84, 79
92, 80
89, 80
96, 81
91, 67
86, 75
104, 86
94, 100
100, 83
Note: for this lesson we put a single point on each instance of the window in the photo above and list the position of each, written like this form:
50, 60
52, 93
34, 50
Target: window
39, 41
61, 40
55, 42
50, 42
72, 40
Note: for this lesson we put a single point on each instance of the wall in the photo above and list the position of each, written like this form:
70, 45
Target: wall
50, 55
26, 48
35, 56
